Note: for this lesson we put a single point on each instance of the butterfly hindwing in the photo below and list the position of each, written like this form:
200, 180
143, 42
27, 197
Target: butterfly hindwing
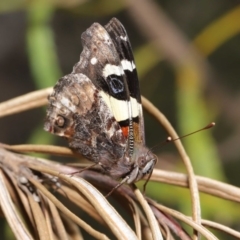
78, 112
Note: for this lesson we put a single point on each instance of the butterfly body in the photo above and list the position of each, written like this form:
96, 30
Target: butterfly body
98, 106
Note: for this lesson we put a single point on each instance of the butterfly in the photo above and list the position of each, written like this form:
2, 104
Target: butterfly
98, 106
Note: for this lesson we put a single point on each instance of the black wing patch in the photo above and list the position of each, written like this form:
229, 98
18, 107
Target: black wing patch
119, 36
101, 63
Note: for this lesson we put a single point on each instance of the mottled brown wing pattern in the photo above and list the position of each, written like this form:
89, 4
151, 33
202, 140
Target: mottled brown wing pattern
78, 112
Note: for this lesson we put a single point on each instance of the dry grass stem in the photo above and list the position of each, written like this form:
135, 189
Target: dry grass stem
9, 211
136, 217
48, 149
221, 227
48, 215
39, 218
108, 213
61, 230
206, 185
73, 230
207, 234
26, 102
81, 203
65, 210
156, 234
196, 209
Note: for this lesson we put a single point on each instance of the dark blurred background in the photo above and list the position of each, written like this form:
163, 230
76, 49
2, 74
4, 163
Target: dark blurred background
188, 57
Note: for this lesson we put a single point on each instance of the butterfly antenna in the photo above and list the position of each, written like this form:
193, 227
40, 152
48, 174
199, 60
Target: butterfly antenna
170, 139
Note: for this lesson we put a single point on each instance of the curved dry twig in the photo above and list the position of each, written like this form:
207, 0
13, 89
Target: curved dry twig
206, 185
7, 206
25, 102
221, 227
192, 181
111, 217
48, 149
156, 233
185, 219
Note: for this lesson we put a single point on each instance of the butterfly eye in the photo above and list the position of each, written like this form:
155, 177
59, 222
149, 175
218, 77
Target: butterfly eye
148, 167
60, 121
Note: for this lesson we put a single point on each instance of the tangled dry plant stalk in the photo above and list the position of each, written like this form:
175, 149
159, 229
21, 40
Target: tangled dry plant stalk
35, 193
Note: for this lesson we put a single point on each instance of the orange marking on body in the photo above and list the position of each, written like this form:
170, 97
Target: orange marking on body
125, 131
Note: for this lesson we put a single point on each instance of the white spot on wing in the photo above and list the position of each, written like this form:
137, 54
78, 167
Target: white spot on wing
68, 104
135, 107
106, 37
127, 65
123, 38
133, 65
93, 61
110, 69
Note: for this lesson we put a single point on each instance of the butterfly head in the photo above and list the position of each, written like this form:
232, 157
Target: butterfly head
144, 162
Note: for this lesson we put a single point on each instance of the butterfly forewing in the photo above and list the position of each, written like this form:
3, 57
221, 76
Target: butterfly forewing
121, 41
